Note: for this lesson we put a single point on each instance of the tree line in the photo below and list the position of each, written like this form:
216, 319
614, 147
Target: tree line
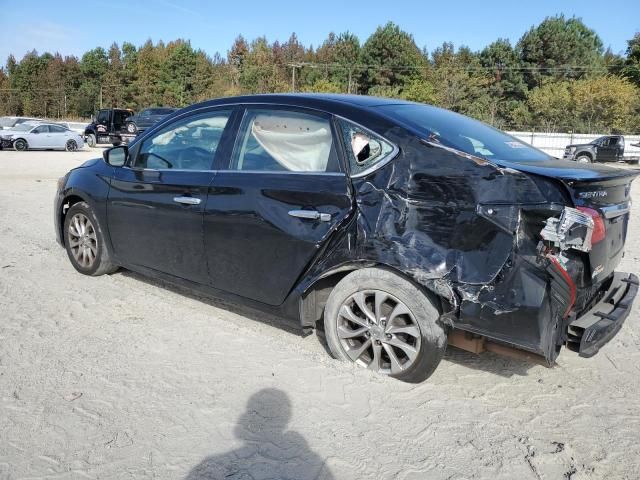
556, 77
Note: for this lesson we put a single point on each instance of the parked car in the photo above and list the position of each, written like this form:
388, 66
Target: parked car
398, 226
78, 127
7, 123
41, 136
109, 127
609, 148
147, 118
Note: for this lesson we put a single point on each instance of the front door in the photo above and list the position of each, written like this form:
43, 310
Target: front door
155, 205
40, 137
277, 201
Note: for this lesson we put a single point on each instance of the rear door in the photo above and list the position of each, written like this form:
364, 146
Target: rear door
608, 149
58, 136
156, 203
278, 198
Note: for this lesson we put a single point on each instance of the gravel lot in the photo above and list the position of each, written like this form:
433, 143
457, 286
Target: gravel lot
121, 377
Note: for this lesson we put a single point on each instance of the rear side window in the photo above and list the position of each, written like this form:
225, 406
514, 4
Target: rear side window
364, 148
284, 141
463, 133
187, 144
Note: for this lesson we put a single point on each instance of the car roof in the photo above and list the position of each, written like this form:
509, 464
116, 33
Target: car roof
310, 99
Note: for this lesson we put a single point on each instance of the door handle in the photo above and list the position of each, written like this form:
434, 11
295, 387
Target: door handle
187, 200
311, 215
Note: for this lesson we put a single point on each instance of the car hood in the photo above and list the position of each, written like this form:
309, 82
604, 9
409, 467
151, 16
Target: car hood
567, 170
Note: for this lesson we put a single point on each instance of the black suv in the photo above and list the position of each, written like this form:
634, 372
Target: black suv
609, 148
147, 118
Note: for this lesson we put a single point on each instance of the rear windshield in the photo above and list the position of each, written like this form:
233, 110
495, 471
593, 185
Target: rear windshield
463, 133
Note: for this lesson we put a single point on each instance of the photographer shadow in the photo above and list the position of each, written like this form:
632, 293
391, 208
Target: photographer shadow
269, 450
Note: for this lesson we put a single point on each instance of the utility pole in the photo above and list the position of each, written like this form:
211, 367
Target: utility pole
293, 77
349, 87
100, 97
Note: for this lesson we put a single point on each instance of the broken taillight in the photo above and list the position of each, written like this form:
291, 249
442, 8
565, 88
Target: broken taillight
599, 229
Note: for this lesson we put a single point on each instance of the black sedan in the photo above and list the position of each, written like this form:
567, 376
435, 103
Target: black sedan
398, 227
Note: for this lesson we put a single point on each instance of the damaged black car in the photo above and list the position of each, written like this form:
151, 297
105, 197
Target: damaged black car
396, 227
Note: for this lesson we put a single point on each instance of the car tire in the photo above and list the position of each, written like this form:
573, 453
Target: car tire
407, 346
583, 159
131, 127
91, 140
71, 146
84, 242
21, 145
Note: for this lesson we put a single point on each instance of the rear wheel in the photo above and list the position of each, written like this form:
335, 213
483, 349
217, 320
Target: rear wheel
71, 146
91, 140
383, 322
20, 145
84, 242
583, 159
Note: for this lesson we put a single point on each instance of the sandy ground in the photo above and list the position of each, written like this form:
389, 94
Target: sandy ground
120, 377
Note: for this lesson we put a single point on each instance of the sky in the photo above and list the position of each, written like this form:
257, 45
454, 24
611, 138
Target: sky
71, 28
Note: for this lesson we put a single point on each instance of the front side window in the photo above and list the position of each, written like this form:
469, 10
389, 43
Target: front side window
363, 148
57, 129
284, 141
42, 129
103, 116
188, 144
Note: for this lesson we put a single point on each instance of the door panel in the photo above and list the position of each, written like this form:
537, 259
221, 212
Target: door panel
254, 247
39, 140
148, 227
155, 208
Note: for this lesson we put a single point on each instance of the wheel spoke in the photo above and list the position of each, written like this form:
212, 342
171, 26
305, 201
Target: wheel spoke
380, 298
410, 351
396, 367
355, 353
347, 313
344, 332
361, 300
376, 362
408, 329
399, 309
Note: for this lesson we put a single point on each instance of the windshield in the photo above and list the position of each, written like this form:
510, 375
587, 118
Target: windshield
463, 133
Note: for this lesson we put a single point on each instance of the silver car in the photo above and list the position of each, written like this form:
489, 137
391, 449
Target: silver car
42, 136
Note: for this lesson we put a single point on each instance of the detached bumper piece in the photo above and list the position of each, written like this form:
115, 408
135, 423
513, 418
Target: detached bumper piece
591, 331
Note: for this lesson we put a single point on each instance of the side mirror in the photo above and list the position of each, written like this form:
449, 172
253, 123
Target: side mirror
116, 156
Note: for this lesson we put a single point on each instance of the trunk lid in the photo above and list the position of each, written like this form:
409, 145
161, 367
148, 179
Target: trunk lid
604, 189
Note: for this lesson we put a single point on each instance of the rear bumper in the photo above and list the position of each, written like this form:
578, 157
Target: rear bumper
587, 334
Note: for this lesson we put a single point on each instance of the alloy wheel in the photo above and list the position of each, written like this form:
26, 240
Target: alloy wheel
378, 331
71, 146
83, 240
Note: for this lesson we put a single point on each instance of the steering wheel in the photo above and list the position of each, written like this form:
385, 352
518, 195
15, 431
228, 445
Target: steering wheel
195, 158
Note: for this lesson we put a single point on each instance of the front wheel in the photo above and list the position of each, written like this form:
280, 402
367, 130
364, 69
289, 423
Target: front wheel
583, 159
20, 145
84, 242
384, 322
71, 146
91, 140
131, 127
